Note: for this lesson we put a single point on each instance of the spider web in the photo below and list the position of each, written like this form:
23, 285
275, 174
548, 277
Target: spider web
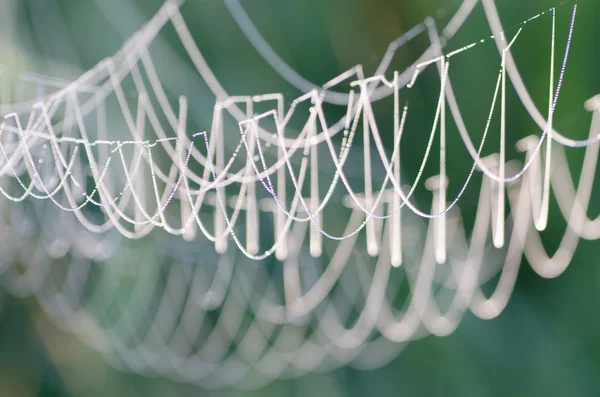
231, 308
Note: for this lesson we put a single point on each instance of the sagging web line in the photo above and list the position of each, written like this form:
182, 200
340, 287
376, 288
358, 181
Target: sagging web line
363, 103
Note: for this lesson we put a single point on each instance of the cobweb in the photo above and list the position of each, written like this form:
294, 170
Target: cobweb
291, 242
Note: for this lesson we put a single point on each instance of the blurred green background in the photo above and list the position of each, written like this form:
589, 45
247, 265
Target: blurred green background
546, 342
